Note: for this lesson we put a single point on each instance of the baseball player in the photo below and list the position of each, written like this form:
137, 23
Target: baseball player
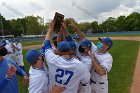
77, 39
102, 63
81, 52
10, 82
83, 46
39, 81
65, 70
18, 52
54, 40
10, 50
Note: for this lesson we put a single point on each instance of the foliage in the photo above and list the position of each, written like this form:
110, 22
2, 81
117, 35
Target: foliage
26, 26
35, 25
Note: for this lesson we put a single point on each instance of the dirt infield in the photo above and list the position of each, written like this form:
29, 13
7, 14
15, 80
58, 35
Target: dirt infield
136, 78
32, 46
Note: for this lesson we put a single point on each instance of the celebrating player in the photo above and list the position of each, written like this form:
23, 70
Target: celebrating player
65, 70
102, 64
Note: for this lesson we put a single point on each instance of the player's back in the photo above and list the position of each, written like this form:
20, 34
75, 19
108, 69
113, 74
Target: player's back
67, 72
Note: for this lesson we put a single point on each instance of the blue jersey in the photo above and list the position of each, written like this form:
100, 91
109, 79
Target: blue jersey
9, 85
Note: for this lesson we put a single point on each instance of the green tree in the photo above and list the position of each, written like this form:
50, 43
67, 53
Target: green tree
5, 25
109, 25
70, 29
120, 23
133, 22
84, 26
33, 25
94, 26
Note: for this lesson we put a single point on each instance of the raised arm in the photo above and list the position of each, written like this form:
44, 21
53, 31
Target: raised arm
77, 30
60, 35
66, 32
50, 31
47, 43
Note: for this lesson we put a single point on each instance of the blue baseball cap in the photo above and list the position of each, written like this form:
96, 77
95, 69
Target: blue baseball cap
10, 39
76, 37
72, 44
2, 43
16, 40
64, 45
32, 55
107, 41
86, 43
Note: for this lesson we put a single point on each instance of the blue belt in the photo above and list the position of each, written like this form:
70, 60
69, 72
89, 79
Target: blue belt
91, 81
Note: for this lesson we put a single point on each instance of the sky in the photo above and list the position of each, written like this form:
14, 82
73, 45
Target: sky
80, 10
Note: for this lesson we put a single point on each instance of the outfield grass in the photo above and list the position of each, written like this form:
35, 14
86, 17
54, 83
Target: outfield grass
124, 55
23, 88
120, 78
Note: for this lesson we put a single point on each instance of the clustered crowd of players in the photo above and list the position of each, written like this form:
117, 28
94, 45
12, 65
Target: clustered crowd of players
63, 65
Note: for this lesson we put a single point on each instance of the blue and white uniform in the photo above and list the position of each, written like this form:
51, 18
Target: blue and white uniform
38, 81
99, 83
66, 72
19, 55
10, 50
85, 59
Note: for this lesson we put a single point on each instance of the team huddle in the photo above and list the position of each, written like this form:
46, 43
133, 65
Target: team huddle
64, 64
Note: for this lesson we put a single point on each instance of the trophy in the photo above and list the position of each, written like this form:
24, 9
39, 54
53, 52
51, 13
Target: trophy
57, 20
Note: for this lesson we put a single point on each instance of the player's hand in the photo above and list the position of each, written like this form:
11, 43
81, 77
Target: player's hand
57, 89
91, 54
51, 26
13, 45
72, 23
11, 71
63, 24
61, 30
25, 80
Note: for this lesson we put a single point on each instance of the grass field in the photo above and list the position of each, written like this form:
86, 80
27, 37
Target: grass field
124, 55
120, 78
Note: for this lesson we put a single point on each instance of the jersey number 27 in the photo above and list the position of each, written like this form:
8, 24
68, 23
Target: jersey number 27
63, 73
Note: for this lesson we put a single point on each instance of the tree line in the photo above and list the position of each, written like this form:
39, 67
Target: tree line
35, 25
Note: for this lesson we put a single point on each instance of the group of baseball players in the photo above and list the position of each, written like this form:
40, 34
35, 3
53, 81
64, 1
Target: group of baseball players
14, 49
66, 64
72, 65
11, 63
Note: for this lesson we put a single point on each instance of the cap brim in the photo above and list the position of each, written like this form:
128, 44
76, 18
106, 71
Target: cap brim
2, 44
101, 39
82, 44
76, 38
